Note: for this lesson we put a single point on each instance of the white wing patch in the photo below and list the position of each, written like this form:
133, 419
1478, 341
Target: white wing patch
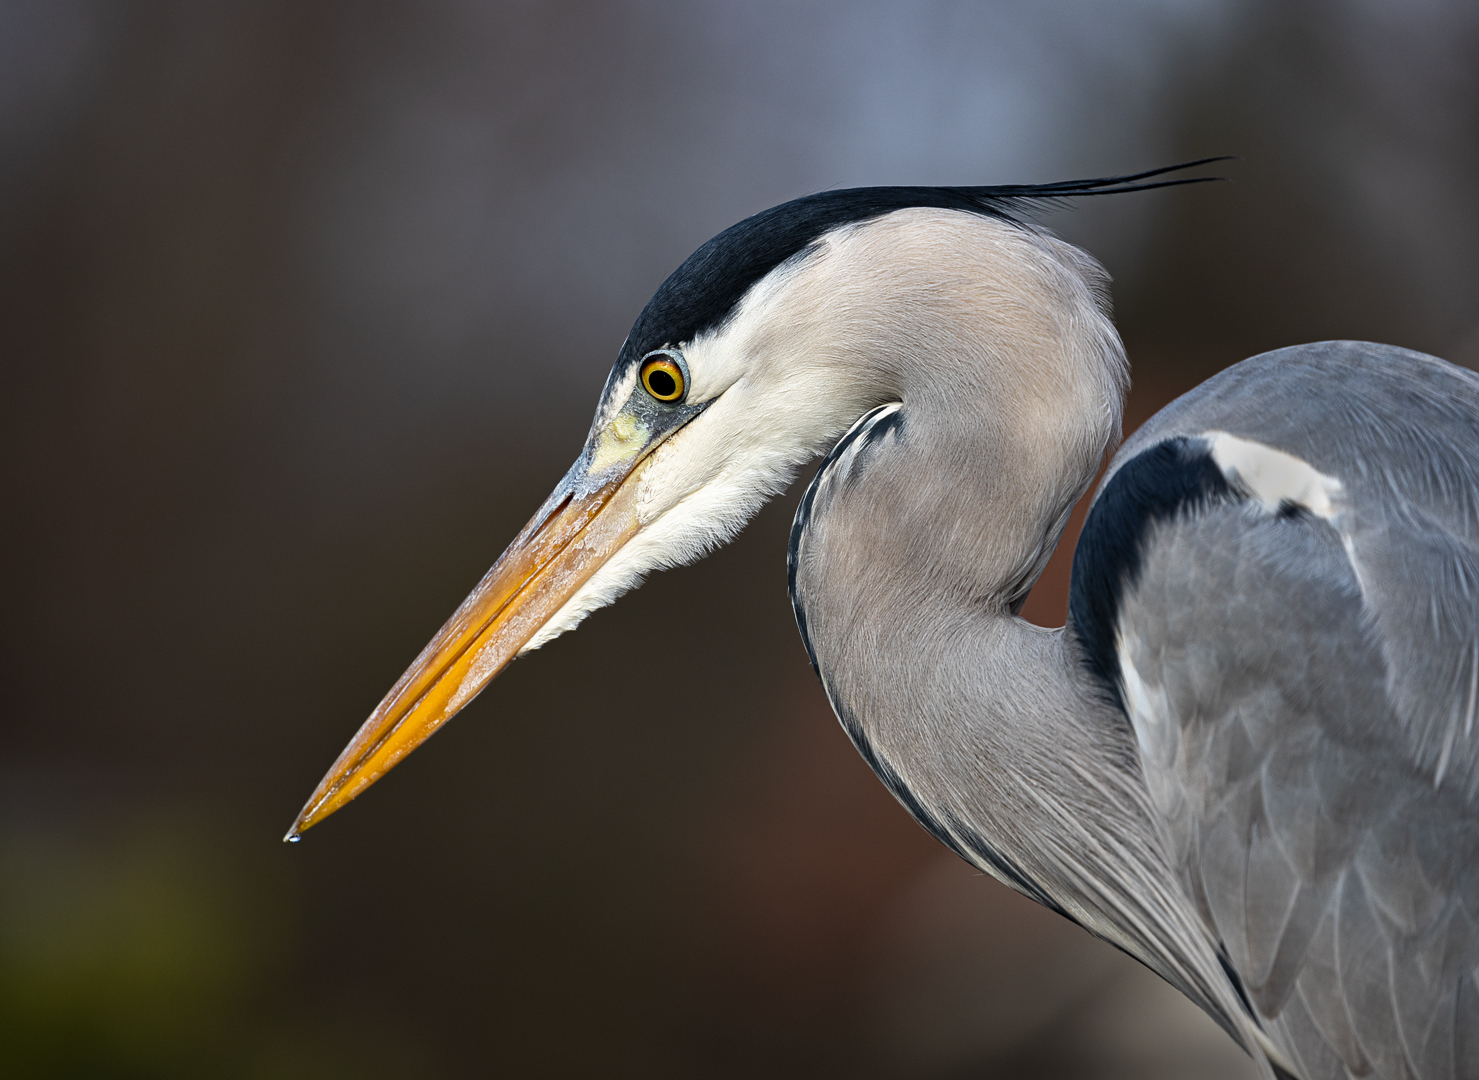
1158, 736
1273, 477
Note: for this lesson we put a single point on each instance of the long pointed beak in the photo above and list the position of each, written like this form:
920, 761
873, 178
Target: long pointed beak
570, 538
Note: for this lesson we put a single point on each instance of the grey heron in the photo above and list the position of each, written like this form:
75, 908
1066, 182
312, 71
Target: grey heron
1249, 759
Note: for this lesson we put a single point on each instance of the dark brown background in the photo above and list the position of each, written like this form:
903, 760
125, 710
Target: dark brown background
304, 307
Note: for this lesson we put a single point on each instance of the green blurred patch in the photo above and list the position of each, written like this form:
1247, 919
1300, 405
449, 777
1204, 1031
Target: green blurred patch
153, 952
129, 955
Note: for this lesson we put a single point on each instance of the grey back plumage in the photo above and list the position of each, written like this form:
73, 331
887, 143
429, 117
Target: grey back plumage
1400, 431
1305, 706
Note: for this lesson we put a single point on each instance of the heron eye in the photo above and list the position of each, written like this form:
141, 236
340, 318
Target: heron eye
663, 379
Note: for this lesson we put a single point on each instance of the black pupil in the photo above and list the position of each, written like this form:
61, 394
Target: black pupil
661, 383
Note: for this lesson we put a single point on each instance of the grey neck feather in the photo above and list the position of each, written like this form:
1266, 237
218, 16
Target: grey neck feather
916, 551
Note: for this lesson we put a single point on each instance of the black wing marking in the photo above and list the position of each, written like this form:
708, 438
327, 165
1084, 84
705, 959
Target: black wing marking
1175, 477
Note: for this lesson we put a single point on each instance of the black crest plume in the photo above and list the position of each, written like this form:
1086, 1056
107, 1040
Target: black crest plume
702, 292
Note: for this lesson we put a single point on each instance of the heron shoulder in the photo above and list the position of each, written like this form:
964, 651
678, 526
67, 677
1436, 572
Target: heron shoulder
1276, 584
1382, 446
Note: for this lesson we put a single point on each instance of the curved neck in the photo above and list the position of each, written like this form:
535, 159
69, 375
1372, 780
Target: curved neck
914, 544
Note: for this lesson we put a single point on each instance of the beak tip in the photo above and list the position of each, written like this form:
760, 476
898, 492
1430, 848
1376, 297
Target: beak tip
547, 564
294, 834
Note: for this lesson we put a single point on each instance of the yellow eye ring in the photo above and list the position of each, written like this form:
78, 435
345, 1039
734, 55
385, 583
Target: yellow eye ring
663, 378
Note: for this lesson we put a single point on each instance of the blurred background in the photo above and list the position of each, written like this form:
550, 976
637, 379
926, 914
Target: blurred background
303, 309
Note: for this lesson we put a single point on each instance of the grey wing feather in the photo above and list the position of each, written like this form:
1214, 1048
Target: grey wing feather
1400, 430
1303, 693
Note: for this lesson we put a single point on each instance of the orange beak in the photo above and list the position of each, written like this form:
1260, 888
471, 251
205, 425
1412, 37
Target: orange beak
570, 538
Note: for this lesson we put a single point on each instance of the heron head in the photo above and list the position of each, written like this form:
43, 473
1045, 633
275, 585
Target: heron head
751, 358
